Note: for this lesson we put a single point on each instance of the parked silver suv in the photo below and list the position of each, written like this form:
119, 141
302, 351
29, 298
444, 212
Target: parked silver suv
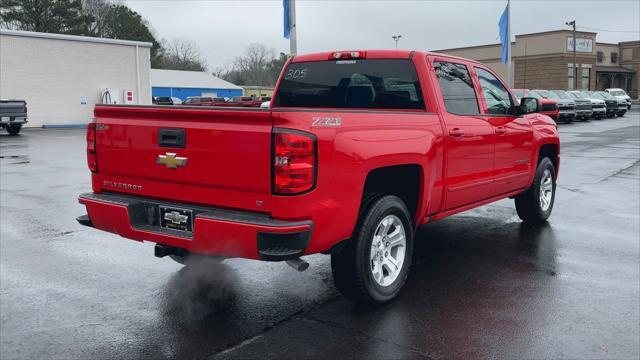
620, 94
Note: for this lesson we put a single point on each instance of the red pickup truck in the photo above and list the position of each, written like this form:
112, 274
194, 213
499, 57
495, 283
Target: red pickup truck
357, 150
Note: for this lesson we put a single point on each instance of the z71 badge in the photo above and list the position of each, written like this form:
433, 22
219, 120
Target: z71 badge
319, 121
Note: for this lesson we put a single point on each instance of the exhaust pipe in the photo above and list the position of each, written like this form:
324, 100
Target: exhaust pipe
162, 250
298, 264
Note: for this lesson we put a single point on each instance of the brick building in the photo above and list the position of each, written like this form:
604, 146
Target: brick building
545, 61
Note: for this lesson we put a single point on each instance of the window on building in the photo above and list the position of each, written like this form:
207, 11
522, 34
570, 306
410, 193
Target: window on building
600, 56
570, 74
586, 77
614, 57
495, 94
457, 88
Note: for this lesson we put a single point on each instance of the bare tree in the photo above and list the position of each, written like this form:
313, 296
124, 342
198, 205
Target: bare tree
182, 54
255, 63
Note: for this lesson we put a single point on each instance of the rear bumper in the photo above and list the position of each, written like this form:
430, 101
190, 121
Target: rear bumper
10, 120
218, 232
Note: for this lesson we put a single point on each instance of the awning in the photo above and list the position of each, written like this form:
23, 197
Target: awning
614, 70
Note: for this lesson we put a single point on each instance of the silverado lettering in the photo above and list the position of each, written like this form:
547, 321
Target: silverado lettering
357, 149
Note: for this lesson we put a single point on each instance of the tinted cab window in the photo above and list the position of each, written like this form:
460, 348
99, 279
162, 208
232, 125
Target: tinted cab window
367, 83
495, 94
457, 88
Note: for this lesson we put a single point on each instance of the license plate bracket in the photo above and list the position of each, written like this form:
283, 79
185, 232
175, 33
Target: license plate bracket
176, 218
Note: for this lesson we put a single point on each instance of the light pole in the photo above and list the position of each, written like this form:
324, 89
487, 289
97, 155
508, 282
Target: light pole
396, 38
575, 66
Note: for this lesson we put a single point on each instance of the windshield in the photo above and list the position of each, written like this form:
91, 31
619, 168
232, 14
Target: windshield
551, 95
560, 94
606, 95
595, 95
617, 93
577, 95
543, 93
375, 83
535, 94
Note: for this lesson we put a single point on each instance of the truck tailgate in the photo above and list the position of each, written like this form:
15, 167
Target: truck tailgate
224, 161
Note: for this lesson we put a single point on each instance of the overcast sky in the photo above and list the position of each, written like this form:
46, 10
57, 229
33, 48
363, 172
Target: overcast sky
222, 29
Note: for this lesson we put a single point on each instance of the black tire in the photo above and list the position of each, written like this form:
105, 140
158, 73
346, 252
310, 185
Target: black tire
529, 204
352, 266
14, 129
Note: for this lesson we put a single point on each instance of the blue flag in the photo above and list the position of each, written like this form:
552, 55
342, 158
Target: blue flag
287, 18
503, 25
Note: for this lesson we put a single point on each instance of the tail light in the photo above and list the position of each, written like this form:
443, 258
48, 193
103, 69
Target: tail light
92, 159
295, 162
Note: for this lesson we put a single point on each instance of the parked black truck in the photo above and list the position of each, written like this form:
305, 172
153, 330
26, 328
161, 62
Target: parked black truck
13, 114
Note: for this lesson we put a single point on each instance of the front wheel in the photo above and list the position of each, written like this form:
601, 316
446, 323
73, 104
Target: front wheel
374, 265
535, 204
14, 129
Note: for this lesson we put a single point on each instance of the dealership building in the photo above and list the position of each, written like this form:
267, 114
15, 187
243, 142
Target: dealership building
63, 76
545, 61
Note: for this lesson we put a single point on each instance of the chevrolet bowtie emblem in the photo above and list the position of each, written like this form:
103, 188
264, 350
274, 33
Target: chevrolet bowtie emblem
171, 161
176, 218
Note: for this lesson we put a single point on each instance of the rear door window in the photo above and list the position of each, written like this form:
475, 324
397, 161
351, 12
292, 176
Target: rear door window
368, 83
457, 88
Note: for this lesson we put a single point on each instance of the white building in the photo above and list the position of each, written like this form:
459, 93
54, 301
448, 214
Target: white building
63, 76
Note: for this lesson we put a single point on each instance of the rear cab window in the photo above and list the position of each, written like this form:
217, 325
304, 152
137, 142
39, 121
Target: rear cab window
351, 84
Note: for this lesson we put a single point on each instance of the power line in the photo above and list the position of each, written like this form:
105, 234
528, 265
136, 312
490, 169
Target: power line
605, 30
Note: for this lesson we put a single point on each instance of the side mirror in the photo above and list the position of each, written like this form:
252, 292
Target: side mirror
529, 105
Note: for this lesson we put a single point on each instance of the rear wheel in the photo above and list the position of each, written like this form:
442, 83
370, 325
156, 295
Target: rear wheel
535, 205
13, 129
374, 265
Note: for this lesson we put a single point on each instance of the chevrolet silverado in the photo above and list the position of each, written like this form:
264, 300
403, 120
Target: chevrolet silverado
357, 149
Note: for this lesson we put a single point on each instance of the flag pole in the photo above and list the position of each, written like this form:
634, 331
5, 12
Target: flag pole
293, 39
509, 65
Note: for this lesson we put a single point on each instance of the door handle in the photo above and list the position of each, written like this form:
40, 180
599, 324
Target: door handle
456, 132
501, 130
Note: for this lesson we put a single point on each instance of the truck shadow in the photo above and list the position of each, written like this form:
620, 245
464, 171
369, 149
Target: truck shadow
474, 280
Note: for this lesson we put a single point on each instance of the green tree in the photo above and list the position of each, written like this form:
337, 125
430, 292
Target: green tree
120, 22
275, 67
50, 16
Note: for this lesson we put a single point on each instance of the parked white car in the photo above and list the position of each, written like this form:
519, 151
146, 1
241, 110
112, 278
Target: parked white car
265, 105
620, 94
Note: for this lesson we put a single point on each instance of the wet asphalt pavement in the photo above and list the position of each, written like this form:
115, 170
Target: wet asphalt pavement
482, 285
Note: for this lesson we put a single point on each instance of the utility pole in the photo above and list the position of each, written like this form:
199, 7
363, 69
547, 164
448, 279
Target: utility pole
396, 38
524, 83
510, 71
575, 66
293, 40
